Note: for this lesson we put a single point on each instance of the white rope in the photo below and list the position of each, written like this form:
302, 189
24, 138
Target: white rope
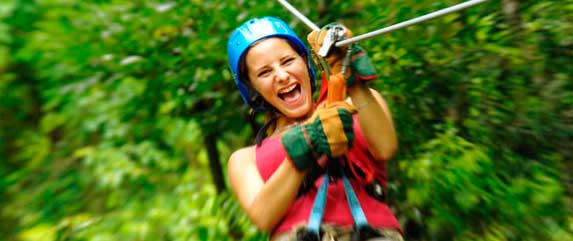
388, 29
299, 15
407, 23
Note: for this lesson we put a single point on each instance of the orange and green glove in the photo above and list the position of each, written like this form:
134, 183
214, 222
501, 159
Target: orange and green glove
361, 68
327, 132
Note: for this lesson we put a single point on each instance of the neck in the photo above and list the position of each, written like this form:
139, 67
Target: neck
284, 122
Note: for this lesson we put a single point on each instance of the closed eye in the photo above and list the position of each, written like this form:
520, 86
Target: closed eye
263, 73
288, 61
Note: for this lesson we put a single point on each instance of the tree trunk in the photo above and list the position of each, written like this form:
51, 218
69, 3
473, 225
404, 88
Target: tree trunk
214, 162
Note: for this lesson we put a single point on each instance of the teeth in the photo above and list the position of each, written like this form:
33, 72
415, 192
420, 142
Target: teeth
288, 90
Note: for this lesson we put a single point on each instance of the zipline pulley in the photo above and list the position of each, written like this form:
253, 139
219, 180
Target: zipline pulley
333, 35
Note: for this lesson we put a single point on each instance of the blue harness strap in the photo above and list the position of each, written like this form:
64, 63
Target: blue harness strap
357, 213
319, 205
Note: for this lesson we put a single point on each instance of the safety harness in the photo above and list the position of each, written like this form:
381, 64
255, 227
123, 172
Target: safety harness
362, 229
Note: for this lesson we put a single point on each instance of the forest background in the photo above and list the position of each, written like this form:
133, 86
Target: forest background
118, 117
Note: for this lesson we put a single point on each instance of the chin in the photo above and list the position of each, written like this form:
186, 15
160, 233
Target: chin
294, 102
299, 112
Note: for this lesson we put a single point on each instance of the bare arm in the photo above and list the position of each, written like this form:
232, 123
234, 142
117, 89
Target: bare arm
264, 202
375, 121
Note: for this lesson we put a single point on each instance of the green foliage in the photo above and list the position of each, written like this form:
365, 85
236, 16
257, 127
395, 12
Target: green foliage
454, 180
105, 105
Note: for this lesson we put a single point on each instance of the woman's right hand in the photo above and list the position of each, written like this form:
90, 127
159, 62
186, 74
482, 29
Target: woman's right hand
335, 55
361, 68
329, 131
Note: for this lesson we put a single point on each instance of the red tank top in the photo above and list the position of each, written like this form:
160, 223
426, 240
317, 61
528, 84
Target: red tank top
271, 153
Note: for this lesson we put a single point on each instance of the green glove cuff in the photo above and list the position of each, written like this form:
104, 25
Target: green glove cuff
328, 133
361, 66
317, 136
298, 148
347, 124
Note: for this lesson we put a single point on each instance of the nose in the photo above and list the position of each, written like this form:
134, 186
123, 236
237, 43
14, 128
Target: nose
282, 75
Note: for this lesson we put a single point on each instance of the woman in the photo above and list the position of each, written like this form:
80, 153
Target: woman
277, 180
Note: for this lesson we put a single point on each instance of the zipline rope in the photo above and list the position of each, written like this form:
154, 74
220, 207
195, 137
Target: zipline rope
388, 29
299, 15
407, 23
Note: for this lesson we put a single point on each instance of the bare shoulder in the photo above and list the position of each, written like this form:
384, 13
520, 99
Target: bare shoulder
244, 176
242, 157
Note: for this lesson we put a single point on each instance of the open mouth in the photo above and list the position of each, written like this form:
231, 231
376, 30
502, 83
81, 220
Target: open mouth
290, 94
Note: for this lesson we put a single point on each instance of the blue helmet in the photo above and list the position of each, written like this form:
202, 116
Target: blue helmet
246, 35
